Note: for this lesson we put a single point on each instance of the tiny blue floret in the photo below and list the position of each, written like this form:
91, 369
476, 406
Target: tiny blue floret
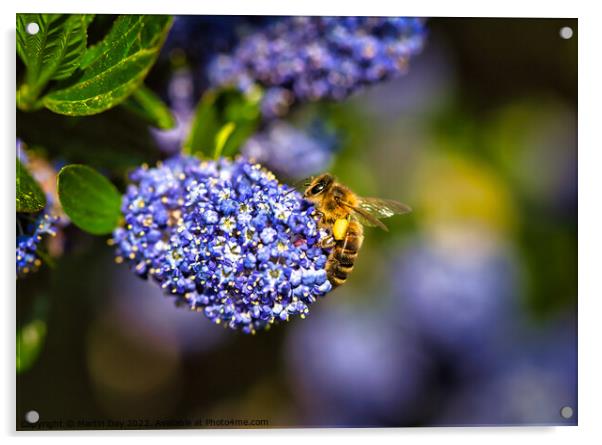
28, 243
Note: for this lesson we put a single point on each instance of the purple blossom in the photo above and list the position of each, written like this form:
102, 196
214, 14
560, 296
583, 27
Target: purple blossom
32, 228
224, 238
196, 39
530, 385
28, 242
455, 293
291, 152
313, 58
462, 300
351, 367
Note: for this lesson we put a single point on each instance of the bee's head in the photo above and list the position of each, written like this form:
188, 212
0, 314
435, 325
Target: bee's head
318, 185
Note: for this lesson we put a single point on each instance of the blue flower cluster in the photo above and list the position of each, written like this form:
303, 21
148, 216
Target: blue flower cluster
31, 228
225, 238
313, 58
28, 242
194, 40
291, 152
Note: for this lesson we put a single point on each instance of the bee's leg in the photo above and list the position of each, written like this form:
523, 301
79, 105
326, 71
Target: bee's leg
328, 242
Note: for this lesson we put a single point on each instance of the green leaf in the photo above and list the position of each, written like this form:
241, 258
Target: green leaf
151, 108
119, 29
53, 53
204, 127
222, 137
30, 197
90, 200
115, 68
223, 121
30, 341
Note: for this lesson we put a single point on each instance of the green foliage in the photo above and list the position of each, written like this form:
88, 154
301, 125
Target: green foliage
549, 250
151, 108
30, 197
90, 200
117, 66
94, 79
223, 121
53, 53
30, 341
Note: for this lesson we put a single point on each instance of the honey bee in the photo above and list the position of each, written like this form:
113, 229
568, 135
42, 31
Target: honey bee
343, 215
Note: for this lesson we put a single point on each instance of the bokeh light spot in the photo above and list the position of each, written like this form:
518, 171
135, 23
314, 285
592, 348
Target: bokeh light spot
131, 375
462, 192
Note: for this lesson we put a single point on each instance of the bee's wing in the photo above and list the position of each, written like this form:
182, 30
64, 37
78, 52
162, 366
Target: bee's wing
383, 208
365, 218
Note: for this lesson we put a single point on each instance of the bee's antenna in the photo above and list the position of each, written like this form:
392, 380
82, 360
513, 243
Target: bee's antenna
303, 182
307, 181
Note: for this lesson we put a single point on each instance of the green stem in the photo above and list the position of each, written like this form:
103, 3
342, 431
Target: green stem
27, 98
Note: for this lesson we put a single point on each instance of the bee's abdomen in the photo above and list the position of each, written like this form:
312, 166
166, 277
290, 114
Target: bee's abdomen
343, 255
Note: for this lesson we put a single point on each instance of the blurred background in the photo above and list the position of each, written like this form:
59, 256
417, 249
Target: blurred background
463, 314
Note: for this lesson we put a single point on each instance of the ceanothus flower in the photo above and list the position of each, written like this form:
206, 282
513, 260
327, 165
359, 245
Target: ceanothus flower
196, 39
32, 228
299, 59
28, 242
224, 237
292, 152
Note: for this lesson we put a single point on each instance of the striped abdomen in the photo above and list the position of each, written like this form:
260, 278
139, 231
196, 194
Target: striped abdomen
343, 255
